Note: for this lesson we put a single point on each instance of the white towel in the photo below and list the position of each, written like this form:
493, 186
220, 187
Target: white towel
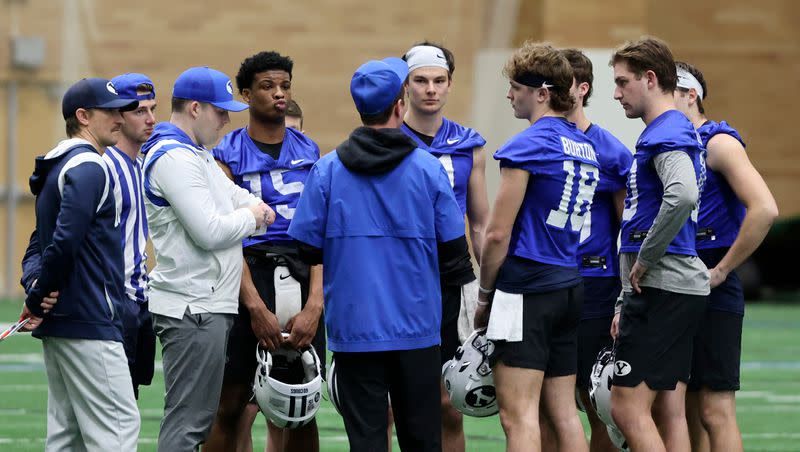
466, 315
288, 298
505, 320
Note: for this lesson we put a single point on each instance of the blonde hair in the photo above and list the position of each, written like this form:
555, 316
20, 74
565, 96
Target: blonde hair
544, 61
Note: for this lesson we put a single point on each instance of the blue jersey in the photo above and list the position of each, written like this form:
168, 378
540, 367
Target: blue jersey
128, 191
379, 234
597, 251
671, 131
453, 145
721, 212
279, 183
564, 174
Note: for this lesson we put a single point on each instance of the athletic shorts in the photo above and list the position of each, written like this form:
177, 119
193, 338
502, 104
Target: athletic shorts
451, 305
717, 352
656, 335
241, 364
593, 336
549, 333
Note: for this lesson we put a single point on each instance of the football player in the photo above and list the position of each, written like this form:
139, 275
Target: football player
278, 292
460, 149
736, 211
664, 283
530, 291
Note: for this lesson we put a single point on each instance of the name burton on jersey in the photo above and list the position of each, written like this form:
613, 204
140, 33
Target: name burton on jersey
576, 149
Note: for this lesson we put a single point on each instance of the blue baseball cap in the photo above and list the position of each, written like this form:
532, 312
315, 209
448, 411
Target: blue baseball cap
376, 84
126, 85
204, 84
94, 93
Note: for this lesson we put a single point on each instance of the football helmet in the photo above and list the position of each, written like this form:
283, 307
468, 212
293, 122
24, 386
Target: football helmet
333, 389
468, 377
600, 395
617, 438
288, 385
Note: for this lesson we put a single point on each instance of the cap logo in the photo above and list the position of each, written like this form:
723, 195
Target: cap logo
110, 88
229, 87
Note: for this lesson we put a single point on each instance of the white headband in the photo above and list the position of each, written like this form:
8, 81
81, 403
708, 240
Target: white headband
688, 81
425, 56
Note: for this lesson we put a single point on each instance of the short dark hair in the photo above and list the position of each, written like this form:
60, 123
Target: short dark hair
581, 70
72, 126
178, 104
261, 62
382, 117
448, 55
699, 76
649, 54
293, 109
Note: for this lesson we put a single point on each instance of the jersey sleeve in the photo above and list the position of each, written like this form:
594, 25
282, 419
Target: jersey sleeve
225, 152
311, 216
524, 151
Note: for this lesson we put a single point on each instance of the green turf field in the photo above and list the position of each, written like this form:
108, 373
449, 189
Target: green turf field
768, 404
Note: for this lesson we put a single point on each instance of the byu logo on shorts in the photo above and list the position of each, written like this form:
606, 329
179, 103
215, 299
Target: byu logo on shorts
621, 368
229, 87
110, 88
481, 396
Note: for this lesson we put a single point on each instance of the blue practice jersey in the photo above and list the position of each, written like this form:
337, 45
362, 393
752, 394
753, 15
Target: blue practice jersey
128, 191
671, 131
279, 183
721, 212
564, 174
453, 145
378, 234
597, 251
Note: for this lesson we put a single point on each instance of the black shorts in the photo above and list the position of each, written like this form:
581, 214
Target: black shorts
241, 364
549, 333
717, 352
451, 306
593, 336
655, 341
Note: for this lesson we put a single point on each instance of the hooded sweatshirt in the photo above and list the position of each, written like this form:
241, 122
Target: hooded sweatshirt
77, 234
377, 207
197, 219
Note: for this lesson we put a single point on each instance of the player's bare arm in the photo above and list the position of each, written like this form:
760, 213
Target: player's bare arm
727, 156
478, 203
510, 195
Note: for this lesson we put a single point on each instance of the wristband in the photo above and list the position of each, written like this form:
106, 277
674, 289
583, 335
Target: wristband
483, 303
486, 291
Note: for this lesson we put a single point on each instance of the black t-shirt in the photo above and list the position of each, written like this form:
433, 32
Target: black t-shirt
271, 149
427, 139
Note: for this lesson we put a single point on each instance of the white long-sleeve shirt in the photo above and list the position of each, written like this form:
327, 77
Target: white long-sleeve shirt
197, 238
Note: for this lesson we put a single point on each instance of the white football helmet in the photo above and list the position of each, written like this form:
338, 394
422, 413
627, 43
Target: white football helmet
600, 395
288, 385
468, 377
333, 388
617, 438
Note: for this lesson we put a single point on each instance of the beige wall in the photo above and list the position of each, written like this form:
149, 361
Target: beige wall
749, 54
328, 39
